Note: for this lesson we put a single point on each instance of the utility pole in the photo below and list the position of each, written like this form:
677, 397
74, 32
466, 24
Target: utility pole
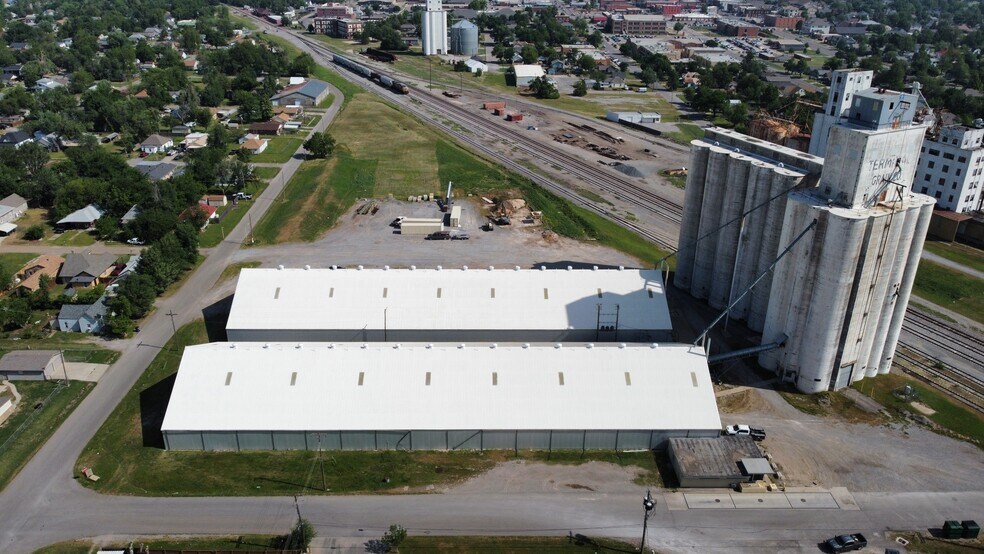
430, 73
61, 353
172, 314
251, 239
648, 503
300, 526
321, 460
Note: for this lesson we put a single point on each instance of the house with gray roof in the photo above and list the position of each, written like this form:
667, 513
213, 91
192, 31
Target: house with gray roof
85, 270
15, 139
83, 318
309, 93
12, 207
159, 171
84, 218
31, 365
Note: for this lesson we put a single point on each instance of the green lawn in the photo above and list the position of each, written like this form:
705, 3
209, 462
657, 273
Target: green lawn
962, 422
74, 345
678, 181
266, 173
216, 232
950, 289
960, 253
924, 543
279, 150
512, 545
244, 543
14, 261
826, 404
686, 133
72, 238
28, 429
232, 270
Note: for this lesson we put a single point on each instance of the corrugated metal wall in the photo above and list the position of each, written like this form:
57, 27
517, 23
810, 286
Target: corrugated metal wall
424, 440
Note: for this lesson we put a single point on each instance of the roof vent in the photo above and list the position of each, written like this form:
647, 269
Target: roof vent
464, 268
621, 345
439, 268
594, 268
558, 345
298, 345
413, 267
781, 164
396, 346
359, 268
493, 345
306, 267
333, 266
491, 268
233, 345
430, 346
590, 345
386, 268
266, 346
654, 345
462, 345
569, 268
621, 268
331, 345
543, 268
364, 345
516, 268
280, 267
526, 345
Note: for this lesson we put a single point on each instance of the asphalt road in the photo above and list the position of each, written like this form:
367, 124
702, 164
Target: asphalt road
44, 489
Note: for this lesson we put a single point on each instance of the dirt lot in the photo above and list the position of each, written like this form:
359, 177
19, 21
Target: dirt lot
369, 240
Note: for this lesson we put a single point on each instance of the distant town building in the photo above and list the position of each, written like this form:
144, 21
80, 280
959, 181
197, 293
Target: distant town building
338, 27
637, 24
951, 167
737, 28
782, 22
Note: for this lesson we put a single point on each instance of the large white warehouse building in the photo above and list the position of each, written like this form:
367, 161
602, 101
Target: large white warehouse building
440, 305
288, 396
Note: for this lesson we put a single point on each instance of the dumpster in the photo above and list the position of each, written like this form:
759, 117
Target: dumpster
952, 529
970, 529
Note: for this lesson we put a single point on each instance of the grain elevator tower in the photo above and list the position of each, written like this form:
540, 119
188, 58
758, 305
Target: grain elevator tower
853, 229
434, 29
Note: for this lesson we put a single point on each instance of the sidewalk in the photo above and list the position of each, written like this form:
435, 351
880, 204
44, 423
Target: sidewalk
930, 257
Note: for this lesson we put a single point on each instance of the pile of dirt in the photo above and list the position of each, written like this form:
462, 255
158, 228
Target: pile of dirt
550, 236
630, 170
510, 207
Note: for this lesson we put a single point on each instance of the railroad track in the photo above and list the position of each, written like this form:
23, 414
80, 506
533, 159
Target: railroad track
948, 338
639, 196
964, 388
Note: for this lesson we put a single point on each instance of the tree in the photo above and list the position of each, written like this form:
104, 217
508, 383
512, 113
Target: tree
529, 53
543, 88
107, 228
395, 536
135, 296
320, 145
478, 5
34, 232
738, 116
300, 536
14, 312
6, 275
580, 88
678, 26
648, 77
303, 65
120, 325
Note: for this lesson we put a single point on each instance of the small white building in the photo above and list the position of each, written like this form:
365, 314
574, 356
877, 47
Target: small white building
475, 66
526, 73
12, 207
634, 117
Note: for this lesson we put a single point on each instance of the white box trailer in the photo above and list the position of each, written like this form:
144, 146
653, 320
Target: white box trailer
421, 226
455, 216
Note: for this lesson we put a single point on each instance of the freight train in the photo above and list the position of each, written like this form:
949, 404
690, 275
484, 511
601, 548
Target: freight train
388, 82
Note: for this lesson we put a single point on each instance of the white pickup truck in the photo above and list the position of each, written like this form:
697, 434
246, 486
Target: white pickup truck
739, 429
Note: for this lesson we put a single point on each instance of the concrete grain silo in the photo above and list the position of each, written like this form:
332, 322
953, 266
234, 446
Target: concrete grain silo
853, 229
464, 38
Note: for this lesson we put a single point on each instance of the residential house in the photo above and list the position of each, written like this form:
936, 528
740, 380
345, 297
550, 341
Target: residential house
84, 218
159, 171
214, 200
29, 276
12, 207
32, 365
50, 83
181, 130
83, 318
156, 144
15, 139
86, 270
310, 94
267, 128
209, 213
194, 141
255, 145
11, 120
190, 63
130, 215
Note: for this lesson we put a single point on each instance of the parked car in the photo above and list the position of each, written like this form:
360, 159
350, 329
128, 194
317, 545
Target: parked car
846, 543
243, 196
397, 222
460, 236
502, 220
439, 235
740, 429
135, 241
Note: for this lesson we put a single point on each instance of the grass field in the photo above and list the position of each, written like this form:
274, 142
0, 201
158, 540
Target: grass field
829, 404
29, 428
320, 72
244, 543
72, 238
961, 422
511, 545
678, 181
232, 270
686, 133
278, 151
127, 453
960, 253
72, 344
950, 289
266, 173
923, 543
14, 261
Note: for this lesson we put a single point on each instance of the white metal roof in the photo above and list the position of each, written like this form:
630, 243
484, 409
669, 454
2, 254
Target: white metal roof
424, 299
316, 386
531, 70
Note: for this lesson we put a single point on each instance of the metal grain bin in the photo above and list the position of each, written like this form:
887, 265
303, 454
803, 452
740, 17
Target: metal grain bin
464, 38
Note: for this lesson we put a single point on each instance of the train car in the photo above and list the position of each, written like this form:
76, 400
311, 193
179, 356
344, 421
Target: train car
352, 66
400, 88
385, 81
379, 55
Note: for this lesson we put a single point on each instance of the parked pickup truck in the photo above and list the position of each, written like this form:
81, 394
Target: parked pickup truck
739, 429
847, 543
